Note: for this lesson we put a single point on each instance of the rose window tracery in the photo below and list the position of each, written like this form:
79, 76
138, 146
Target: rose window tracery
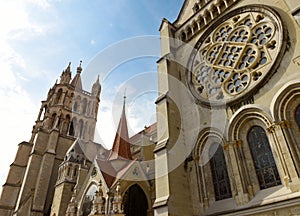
236, 55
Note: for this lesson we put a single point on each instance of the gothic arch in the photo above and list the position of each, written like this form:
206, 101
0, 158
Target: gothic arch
204, 137
72, 128
43, 113
81, 128
255, 113
66, 124
135, 201
240, 125
284, 108
76, 104
53, 120
84, 106
287, 96
58, 96
86, 198
211, 148
142, 186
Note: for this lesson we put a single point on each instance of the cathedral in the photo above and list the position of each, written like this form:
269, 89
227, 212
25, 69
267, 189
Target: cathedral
226, 140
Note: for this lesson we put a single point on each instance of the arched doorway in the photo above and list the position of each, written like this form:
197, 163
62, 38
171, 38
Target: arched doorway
88, 200
135, 202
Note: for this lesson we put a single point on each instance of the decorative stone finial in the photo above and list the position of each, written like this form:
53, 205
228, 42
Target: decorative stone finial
79, 68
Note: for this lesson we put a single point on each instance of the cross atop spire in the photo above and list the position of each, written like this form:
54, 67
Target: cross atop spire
124, 99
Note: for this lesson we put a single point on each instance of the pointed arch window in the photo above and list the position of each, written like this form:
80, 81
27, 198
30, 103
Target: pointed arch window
75, 107
263, 159
66, 124
58, 96
219, 172
84, 105
72, 127
53, 121
80, 129
88, 200
297, 116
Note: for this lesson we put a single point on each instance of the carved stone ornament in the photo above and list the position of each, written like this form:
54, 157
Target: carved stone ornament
236, 56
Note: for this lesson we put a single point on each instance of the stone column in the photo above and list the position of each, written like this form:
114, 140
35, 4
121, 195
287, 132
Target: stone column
288, 172
242, 188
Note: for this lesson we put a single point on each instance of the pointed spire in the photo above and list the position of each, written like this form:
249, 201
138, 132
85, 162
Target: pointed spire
96, 88
76, 82
69, 67
79, 68
121, 145
66, 75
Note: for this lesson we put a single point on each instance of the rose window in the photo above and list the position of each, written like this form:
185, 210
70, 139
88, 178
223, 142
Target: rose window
236, 56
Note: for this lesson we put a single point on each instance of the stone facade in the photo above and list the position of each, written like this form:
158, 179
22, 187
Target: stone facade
228, 85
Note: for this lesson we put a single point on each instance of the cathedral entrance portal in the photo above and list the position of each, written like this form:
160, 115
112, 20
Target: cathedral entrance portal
135, 202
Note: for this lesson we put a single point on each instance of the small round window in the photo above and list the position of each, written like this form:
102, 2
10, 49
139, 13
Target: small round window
236, 55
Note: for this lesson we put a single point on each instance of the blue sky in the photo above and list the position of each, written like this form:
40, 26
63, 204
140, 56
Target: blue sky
39, 37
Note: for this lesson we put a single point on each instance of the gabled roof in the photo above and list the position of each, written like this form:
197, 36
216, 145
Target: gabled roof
111, 174
85, 149
121, 145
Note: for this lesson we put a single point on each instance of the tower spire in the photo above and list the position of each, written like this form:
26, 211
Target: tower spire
96, 88
65, 76
76, 82
121, 145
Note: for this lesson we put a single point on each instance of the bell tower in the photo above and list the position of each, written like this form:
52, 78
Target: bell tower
67, 114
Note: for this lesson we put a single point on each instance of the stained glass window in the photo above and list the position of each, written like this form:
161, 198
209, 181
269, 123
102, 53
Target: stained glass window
298, 116
264, 163
219, 172
235, 55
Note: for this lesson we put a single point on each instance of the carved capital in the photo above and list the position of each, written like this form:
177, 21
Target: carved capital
272, 128
278, 125
226, 147
284, 124
296, 60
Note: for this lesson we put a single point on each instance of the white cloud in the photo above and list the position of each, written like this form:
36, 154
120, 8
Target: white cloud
92, 42
17, 114
17, 110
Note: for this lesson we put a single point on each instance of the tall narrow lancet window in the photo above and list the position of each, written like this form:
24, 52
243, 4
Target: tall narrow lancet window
219, 172
263, 159
84, 105
75, 107
58, 96
298, 116
53, 121
72, 127
81, 129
